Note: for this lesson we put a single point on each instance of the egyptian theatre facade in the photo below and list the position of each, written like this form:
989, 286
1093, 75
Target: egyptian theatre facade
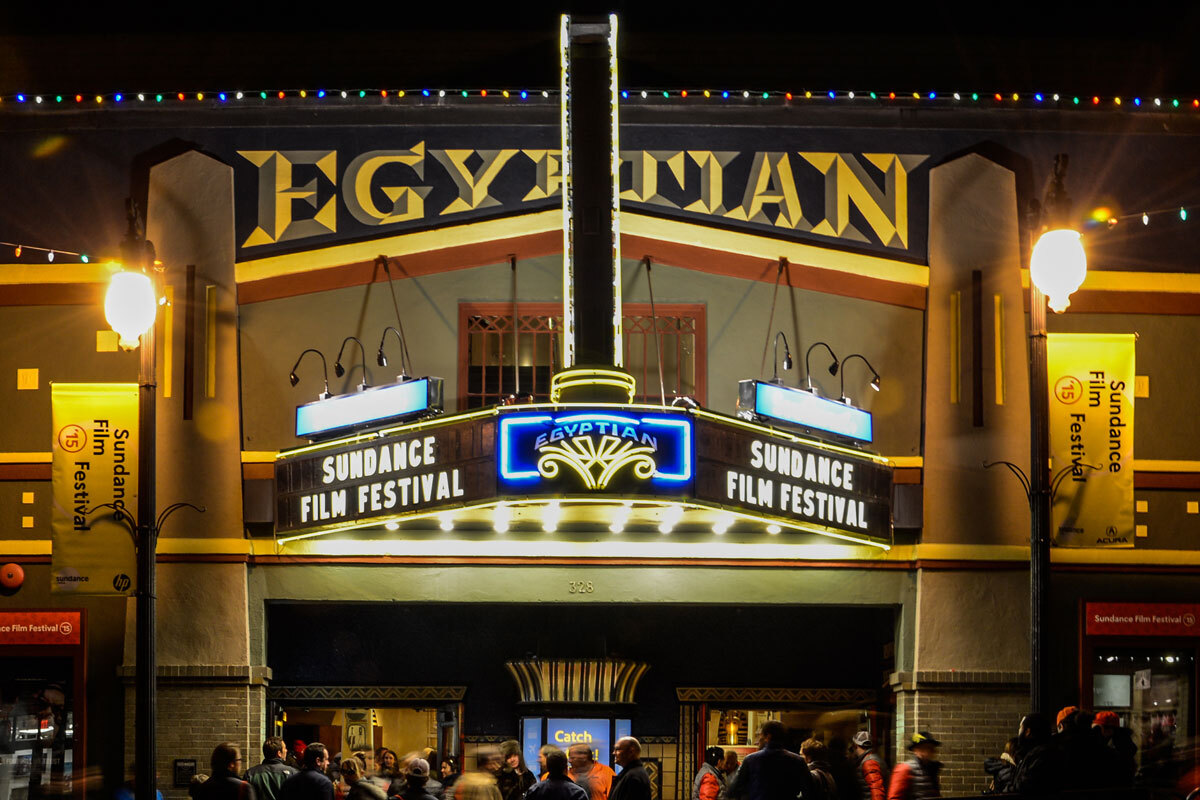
464, 381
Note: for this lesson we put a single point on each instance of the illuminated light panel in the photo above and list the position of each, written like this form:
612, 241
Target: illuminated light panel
808, 410
583, 457
377, 404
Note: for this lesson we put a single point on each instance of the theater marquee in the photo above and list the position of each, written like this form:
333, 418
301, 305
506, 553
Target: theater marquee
623, 455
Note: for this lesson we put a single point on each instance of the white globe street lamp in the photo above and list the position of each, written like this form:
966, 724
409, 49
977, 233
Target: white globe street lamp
130, 306
1058, 266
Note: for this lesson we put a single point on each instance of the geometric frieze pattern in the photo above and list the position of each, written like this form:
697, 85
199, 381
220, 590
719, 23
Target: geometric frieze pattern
723, 694
368, 694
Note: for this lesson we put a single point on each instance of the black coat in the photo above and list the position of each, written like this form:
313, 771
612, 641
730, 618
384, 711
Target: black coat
772, 773
307, 784
225, 786
633, 783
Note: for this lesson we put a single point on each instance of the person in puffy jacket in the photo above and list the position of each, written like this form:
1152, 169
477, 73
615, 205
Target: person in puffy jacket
869, 772
709, 783
917, 778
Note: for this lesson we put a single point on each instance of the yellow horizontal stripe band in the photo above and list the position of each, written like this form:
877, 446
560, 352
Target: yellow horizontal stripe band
26, 458
1113, 281
768, 249
904, 462
19, 274
907, 462
1153, 465
399, 246
688, 550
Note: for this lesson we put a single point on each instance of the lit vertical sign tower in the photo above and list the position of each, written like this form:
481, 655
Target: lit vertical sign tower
590, 160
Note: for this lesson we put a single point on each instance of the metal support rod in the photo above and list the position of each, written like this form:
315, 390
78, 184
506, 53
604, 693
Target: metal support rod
512, 263
145, 690
662, 387
1039, 500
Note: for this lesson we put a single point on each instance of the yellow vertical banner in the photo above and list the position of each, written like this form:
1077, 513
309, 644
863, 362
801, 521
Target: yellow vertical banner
1091, 438
94, 461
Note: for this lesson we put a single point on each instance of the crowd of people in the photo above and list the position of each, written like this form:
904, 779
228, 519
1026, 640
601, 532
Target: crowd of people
1083, 751
308, 772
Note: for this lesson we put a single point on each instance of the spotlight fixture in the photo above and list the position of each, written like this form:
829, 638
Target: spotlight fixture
833, 368
381, 359
392, 526
787, 356
773, 529
874, 374
339, 370
722, 524
295, 379
447, 522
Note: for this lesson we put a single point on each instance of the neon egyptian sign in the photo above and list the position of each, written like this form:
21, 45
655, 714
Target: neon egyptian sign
594, 450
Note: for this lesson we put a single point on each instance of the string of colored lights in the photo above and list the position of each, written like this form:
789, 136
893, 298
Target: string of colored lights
1104, 216
933, 98
51, 252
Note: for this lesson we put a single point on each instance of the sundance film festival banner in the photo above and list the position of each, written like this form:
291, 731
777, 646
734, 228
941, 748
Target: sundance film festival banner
94, 461
1091, 437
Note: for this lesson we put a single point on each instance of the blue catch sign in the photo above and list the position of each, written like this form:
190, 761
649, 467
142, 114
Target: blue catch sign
580, 450
376, 406
598, 734
808, 410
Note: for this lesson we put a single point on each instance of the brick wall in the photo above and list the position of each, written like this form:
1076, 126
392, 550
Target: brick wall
198, 708
972, 713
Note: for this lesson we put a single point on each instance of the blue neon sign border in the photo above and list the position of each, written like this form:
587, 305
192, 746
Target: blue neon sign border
510, 472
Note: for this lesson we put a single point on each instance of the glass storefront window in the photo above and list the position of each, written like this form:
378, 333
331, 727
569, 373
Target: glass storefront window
37, 728
1152, 691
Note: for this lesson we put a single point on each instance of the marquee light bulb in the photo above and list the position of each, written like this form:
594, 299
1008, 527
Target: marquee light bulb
620, 519
1058, 266
129, 306
671, 517
550, 516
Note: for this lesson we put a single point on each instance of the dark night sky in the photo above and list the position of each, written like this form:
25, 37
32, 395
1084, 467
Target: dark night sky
1086, 48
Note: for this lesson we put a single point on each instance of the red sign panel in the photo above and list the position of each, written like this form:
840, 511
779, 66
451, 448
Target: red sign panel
40, 627
1143, 619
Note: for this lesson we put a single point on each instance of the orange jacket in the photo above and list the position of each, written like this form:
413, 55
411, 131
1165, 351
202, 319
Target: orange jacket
598, 780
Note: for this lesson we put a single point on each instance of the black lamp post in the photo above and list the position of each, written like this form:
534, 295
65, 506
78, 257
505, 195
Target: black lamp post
1057, 268
130, 307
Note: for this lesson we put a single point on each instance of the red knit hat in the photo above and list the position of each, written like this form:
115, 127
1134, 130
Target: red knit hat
1066, 712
